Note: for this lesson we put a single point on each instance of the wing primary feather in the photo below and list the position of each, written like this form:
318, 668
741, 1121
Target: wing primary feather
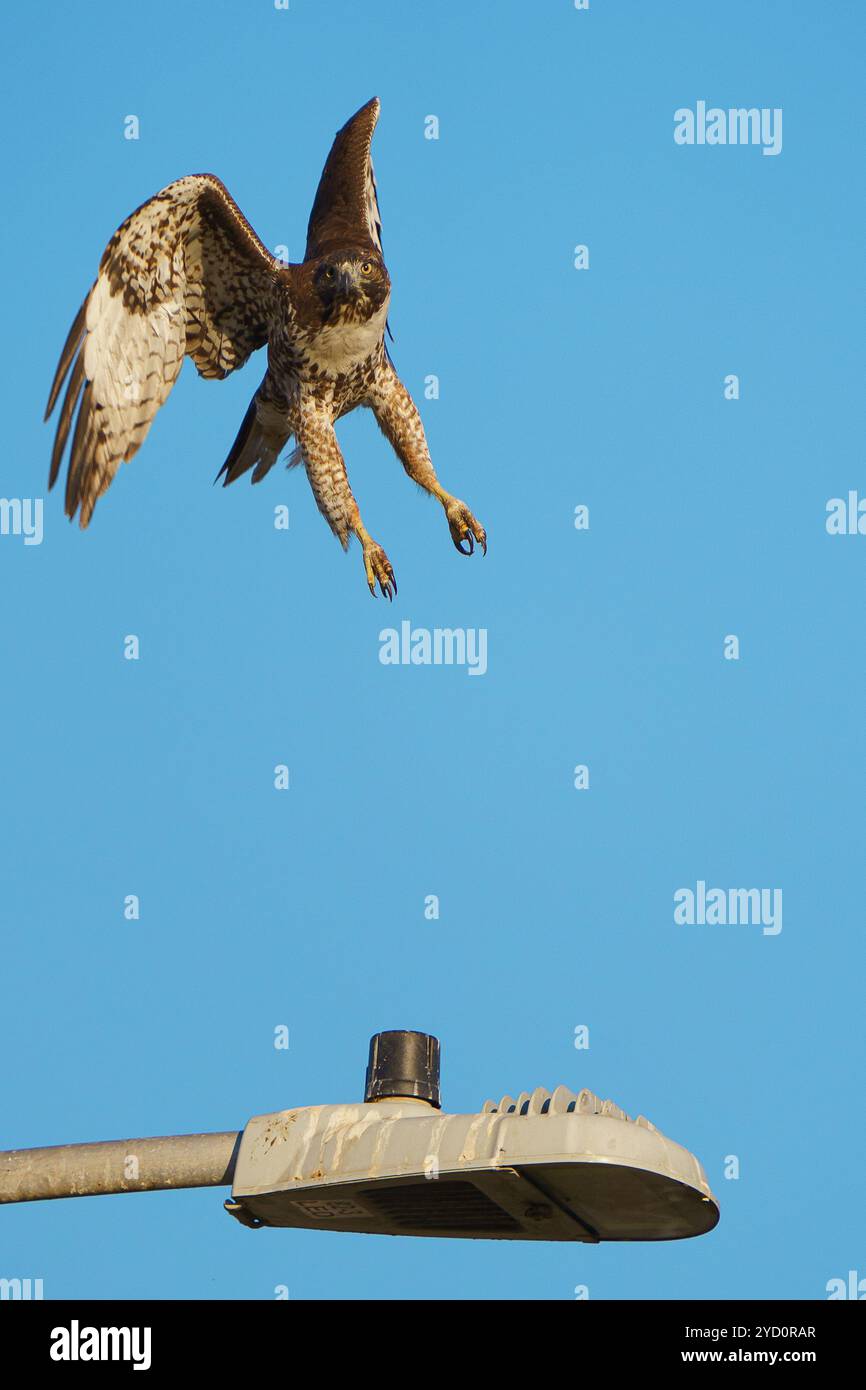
70, 401
70, 347
77, 460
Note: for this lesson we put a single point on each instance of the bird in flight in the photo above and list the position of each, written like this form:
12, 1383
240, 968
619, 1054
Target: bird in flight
186, 275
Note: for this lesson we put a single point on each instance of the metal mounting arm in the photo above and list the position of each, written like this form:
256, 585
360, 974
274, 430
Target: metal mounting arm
119, 1165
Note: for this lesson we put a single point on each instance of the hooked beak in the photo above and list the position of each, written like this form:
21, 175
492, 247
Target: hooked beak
346, 283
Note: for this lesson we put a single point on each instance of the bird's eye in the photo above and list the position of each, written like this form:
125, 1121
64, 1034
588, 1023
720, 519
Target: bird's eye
329, 272
367, 268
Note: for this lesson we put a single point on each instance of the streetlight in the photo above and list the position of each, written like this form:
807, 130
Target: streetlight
546, 1166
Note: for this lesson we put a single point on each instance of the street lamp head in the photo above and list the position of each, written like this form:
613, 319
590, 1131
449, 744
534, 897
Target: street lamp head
550, 1165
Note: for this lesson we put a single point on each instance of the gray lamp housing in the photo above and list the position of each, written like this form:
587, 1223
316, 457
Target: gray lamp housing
546, 1166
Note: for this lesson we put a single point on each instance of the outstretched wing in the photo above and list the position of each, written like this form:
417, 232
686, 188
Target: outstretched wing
346, 208
184, 274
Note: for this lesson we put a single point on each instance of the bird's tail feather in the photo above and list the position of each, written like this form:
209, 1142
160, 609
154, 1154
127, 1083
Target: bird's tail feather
260, 439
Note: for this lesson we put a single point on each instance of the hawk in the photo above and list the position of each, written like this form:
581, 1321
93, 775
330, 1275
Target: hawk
186, 275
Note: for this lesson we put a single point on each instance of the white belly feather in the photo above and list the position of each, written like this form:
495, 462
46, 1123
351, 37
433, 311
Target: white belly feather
339, 347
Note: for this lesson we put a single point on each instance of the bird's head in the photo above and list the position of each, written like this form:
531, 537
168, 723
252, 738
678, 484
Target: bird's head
352, 282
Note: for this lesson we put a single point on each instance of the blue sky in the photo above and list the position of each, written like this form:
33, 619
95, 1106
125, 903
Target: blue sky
558, 387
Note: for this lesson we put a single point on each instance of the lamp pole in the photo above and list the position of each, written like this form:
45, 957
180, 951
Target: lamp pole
119, 1165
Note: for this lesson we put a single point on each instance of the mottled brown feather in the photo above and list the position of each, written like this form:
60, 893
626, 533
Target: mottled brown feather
340, 215
185, 274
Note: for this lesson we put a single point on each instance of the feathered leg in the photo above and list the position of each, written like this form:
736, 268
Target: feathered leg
326, 471
400, 422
